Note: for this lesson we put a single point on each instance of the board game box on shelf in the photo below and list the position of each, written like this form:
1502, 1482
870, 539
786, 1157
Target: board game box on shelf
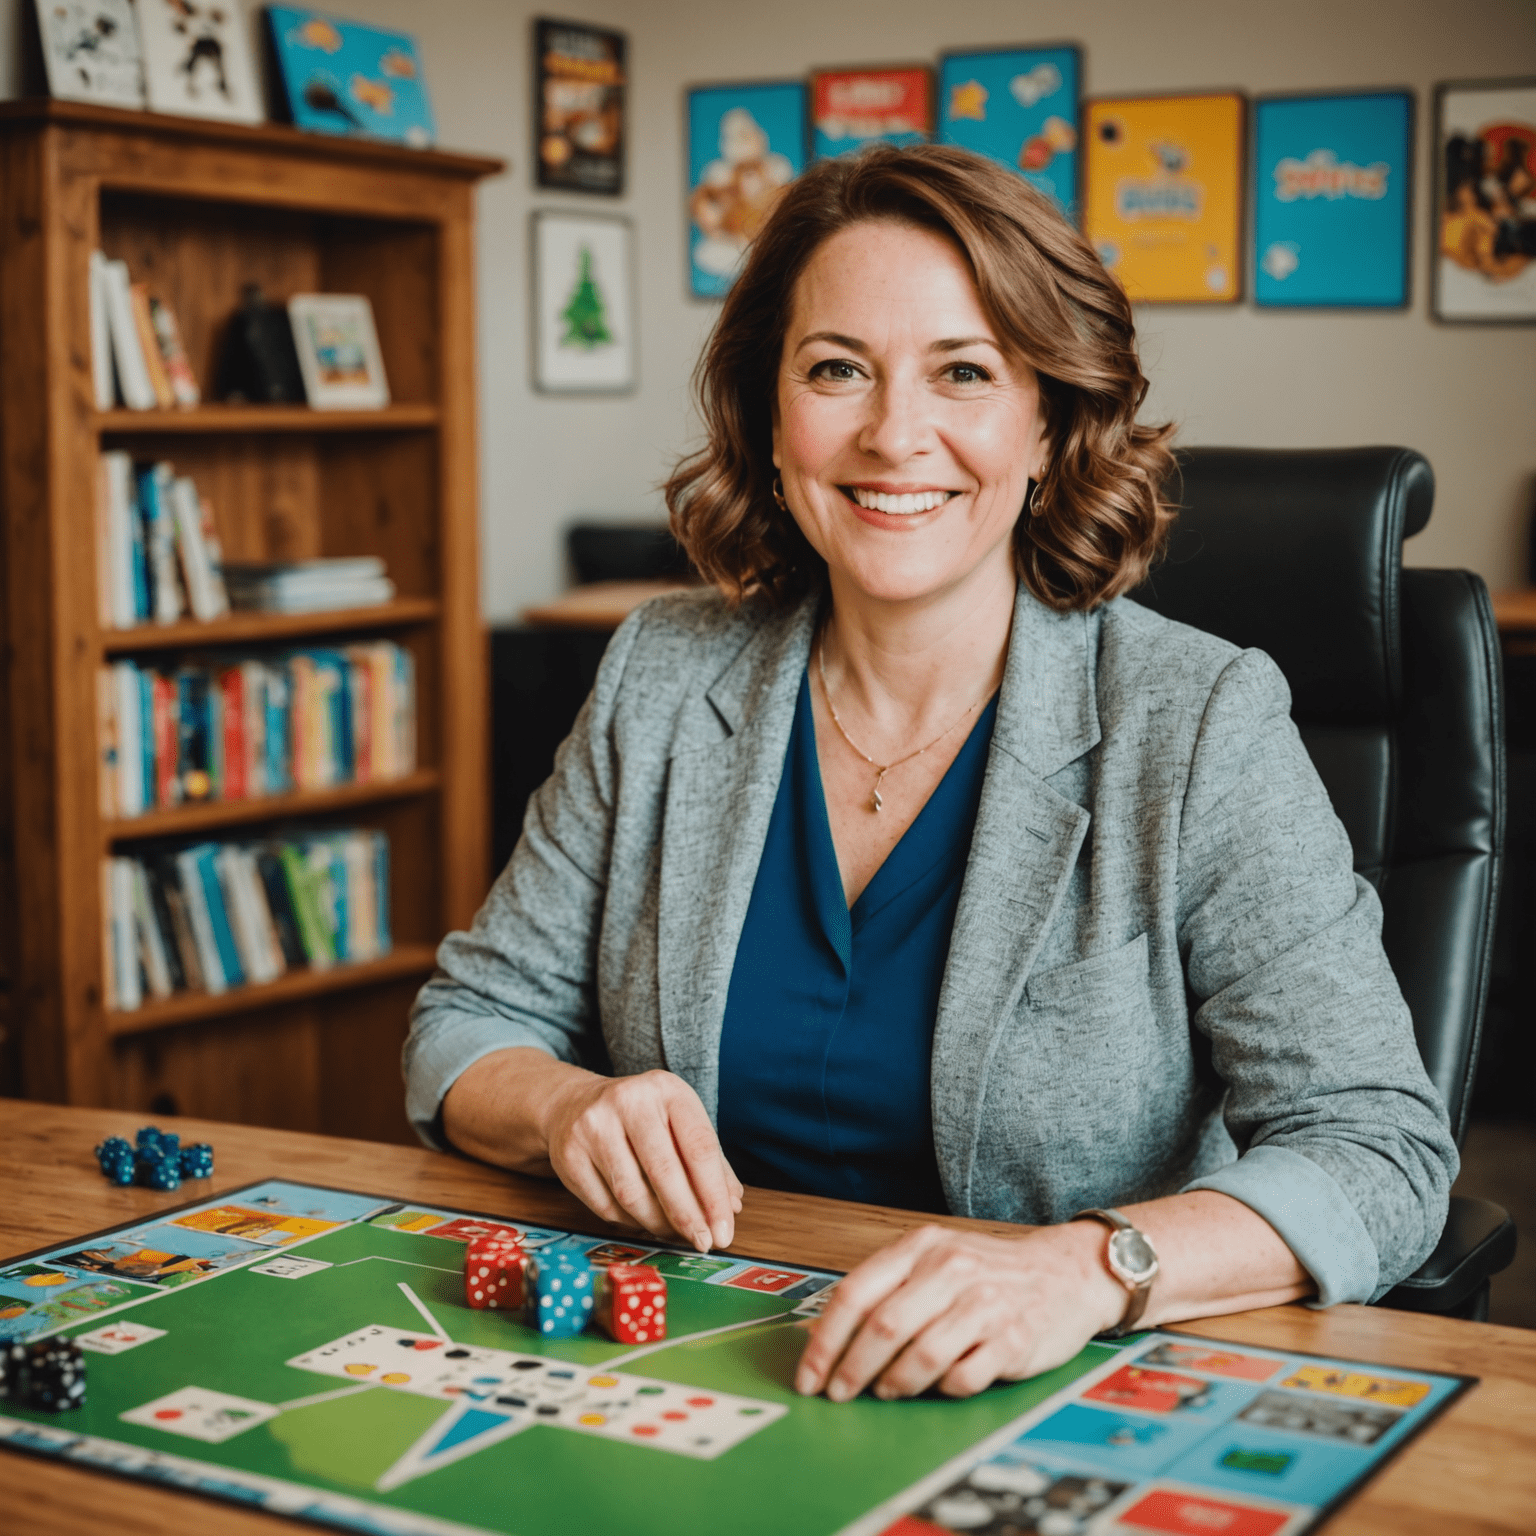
311, 1351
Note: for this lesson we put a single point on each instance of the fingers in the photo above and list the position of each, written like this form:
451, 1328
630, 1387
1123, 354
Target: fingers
963, 1348
713, 1189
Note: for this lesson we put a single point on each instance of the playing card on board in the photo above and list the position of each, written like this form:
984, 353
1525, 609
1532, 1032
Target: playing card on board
201, 1414
390, 1357
115, 1338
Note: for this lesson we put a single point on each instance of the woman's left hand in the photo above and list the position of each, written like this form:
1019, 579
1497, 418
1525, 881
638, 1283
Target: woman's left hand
962, 1309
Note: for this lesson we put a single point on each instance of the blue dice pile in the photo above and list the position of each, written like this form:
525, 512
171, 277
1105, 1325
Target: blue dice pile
157, 1160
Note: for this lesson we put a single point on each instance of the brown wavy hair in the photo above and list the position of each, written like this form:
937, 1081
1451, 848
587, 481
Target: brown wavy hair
1099, 518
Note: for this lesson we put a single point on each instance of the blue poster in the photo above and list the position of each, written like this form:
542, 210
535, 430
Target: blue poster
746, 143
344, 77
1019, 106
1333, 179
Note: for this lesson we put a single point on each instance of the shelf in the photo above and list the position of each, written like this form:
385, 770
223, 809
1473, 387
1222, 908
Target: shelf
193, 1007
204, 419
258, 628
190, 820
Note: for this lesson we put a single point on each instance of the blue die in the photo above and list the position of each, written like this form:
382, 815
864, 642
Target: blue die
559, 1292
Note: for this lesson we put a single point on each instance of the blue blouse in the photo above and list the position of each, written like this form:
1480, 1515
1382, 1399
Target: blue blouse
828, 1034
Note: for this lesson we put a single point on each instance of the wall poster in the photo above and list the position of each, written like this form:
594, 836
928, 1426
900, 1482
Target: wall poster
579, 79
583, 304
1333, 200
1485, 227
1163, 195
746, 143
1019, 106
854, 107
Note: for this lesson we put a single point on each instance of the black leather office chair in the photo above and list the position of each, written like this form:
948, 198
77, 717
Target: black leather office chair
1395, 682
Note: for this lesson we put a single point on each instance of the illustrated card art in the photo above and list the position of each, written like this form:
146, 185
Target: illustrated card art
854, 107
580, 80
197, 60
583, 304
91, 51
338, 349
1019, 106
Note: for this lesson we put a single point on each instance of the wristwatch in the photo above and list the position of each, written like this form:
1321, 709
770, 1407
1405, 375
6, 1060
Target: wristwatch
1132, 1261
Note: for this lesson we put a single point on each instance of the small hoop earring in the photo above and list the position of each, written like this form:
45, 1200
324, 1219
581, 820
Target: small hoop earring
1032, 505
778, 494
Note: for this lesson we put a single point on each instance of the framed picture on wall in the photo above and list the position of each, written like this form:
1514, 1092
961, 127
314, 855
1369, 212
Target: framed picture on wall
579, 82
854, 107
1485, 202
197, 60
746, 143
1333, 200
91, 51
1163, 194
583, 304
1020, 106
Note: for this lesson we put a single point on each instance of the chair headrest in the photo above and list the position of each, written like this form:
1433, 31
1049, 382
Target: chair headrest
1297, 552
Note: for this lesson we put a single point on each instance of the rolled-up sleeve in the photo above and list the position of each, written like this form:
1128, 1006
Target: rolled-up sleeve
523, 975
1345, 1146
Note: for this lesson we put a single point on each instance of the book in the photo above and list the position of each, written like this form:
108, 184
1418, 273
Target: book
308, 586
310, 906
165, 921
133, 380
103, 384
131, 798
149, 345
178, 368
153, 484
204, 865
197, 566
127, 982
151, 946
108, 760
167, 881
189, 879
274, 882
166, 723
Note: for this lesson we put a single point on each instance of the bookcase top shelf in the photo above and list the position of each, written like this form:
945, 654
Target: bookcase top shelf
404, 960
213, 815
268, 138
260, 628
213, 418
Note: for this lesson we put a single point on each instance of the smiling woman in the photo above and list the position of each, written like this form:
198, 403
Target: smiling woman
913, 863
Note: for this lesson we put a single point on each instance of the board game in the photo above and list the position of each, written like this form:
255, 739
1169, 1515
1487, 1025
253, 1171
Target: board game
310, 1351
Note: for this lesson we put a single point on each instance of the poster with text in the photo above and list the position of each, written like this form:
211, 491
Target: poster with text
854, 107
1163, 194
1019, 106
746, 143
1333, 193
579, 80
1485, 257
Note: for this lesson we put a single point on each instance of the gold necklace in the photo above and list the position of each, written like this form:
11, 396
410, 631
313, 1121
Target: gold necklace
876, 802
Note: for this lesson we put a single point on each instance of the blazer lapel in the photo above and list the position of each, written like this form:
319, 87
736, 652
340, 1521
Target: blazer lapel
721, 785
1023, 851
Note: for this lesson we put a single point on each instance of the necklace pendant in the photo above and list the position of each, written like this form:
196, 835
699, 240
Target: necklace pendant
876, 802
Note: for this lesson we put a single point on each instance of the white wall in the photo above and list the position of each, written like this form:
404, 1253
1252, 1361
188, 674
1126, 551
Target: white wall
1464, 396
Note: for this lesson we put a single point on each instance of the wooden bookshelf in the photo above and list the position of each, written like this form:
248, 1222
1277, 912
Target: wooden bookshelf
198, 210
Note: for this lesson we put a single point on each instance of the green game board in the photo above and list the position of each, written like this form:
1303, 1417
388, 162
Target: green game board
204, 1304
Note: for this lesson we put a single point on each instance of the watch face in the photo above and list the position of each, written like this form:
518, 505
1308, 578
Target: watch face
1132, 1257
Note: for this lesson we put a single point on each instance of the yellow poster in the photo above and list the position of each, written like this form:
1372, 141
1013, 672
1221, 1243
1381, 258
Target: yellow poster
1164, 203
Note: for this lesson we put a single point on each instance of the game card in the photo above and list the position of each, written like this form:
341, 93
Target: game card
200, 1414
290, 1266
117, 1338
1133, 1386
1393, 1392
1214, 1362
1360, 1424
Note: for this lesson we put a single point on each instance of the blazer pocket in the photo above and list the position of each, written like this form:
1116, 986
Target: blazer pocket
1102, 986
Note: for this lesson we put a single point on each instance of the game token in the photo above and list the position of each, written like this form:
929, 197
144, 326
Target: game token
115, 1158
631, 1305
196, 1161
494, 1272
48, 1376
559, 1294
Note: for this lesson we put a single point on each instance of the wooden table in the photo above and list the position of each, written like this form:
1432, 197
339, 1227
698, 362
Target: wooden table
598, 604
1473, 1470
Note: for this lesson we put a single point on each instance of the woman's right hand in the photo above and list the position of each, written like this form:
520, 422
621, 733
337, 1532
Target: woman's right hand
638, 1151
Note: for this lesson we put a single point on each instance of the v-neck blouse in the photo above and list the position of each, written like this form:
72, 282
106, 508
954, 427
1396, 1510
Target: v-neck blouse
828, 1034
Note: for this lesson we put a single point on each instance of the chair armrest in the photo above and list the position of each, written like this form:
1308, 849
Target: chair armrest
1478, 1241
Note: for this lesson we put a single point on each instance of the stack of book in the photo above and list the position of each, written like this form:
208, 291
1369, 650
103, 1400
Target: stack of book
214, 916
157, 556
308, 586
245, 727
137, 356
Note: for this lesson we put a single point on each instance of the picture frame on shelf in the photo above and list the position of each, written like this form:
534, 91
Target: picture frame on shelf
580, 86
746, 143
1021, 107
346, 78
854, 107
1484, 260
583, 303
1333, 200
1163, 194
91, 51
197, 60
338, 349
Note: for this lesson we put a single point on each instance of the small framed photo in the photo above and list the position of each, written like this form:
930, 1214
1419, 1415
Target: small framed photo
1163, 194
91, 51
1485, 202
1333, 200
746, 143
583, 304
197, 60
338, 351
344, 77
579, 83
1019, 106
854, 107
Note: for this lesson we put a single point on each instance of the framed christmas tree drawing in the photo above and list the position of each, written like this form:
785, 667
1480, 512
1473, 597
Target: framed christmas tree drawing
583, 304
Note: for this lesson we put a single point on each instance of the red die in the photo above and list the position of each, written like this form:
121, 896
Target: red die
493, 1272
632, 1303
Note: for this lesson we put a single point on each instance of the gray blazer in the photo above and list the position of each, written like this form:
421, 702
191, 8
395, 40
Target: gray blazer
1164, 974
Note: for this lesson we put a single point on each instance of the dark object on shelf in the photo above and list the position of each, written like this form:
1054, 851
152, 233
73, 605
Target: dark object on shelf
260, 362
1397, 692
625, 552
